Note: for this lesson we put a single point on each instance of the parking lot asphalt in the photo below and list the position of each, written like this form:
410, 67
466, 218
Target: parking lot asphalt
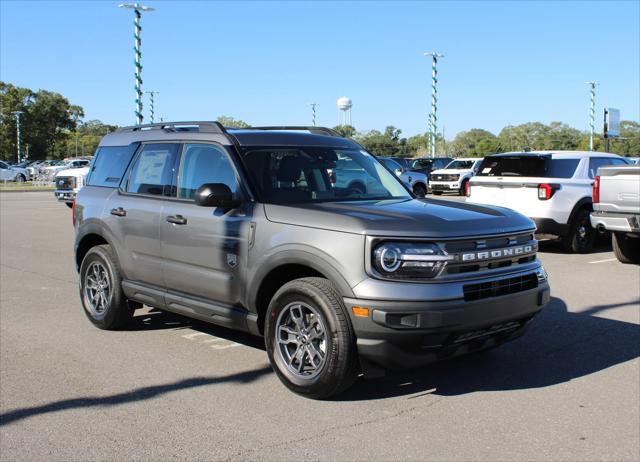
169, 388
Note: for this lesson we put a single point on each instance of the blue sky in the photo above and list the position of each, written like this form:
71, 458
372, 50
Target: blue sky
505, 62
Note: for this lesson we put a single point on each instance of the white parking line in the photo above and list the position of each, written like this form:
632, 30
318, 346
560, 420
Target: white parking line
604, 261
191, 336
213, 340
224, 347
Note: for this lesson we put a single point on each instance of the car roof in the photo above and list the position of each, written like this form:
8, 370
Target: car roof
213, 131
557, 154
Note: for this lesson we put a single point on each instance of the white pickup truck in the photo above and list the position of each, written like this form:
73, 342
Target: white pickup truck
68, 183
616, 208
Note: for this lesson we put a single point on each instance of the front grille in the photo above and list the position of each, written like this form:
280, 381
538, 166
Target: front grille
65, 182
501, 287
445, 177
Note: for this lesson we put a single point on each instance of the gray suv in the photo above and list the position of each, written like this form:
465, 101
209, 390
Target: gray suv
246, 229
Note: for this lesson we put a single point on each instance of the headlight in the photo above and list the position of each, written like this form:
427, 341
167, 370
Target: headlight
409, 260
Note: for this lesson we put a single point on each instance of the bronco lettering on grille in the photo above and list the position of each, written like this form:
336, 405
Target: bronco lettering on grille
500, 253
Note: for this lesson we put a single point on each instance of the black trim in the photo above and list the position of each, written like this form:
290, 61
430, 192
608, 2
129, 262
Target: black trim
550, 226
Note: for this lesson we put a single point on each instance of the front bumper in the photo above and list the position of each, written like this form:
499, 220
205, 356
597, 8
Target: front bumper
612, 221
444, 185
401, 334
65, 195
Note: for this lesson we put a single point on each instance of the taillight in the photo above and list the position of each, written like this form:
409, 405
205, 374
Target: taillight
73, 212
467, 189
545, 191
596, 190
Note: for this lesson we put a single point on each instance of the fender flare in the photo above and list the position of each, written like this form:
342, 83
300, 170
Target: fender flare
96, 228
585, 201
313, 260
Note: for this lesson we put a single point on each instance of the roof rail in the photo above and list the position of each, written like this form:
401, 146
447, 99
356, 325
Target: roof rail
315, 130
203, 127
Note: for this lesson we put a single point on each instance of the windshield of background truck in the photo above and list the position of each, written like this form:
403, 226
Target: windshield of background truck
460, 164
528, 166
290, 175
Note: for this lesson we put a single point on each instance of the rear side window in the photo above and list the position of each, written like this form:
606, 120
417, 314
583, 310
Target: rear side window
152, 171
528, 166
109, 165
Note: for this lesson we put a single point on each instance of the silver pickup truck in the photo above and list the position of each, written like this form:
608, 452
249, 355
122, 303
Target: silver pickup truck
616, 208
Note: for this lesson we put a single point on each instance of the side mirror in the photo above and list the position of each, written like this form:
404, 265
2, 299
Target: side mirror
216, 195
399, 171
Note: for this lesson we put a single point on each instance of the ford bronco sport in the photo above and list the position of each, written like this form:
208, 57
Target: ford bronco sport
245, 228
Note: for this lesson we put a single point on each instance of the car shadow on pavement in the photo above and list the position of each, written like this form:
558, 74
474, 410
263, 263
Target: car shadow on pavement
602, 245
139, 394
147, 318
558, 347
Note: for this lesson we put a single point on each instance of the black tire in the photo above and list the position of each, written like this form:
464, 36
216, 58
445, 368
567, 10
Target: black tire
338, 367
626, 249
419, 190
437, 193
463, 186
115, 311
69, 204
20, 178
581, 235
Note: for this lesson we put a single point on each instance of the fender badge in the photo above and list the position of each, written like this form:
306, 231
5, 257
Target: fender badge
232, 260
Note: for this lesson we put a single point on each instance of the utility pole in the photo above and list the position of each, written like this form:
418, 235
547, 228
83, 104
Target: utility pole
137, 8
17, 115
592, 113
313, 113
433, 120
151, 93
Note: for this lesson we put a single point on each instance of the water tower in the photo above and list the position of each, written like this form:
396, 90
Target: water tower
344, 105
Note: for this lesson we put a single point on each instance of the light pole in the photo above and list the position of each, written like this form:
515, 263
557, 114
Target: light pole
433, 120
592, 113
151, 93
137, 8
313, 113
17, 114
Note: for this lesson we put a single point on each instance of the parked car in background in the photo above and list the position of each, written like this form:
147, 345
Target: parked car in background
634, 160
68, 182
10, 173
455, 176
553, 188
405, 162
416, 181
33, 168
426, 165
616, 208
57, 166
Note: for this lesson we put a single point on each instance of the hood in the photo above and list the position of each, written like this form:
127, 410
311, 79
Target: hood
430, 218
449, 171
82, 171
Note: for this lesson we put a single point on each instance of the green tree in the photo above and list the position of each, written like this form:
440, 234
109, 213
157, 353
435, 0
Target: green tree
346, 131
473, 143
230, 122
85, 139
45, 124
388, 143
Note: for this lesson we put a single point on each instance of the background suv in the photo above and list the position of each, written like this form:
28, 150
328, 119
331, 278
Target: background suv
455, 176
552, 188
254, 229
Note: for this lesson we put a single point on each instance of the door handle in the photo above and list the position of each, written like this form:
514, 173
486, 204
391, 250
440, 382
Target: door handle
119, 212
177, 219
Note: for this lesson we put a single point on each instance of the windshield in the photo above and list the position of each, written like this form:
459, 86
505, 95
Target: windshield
460, 164
289, 175
421, 163
529, 166
390, 164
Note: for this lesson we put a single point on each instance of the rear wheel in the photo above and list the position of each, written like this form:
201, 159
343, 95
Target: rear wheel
419, 190
626, 248
20, 178
101, 292
581, 234
309, 339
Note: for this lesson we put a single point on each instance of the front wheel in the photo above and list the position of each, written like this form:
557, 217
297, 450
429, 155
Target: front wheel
309, 339
626, 248
463, 188
420, 190
581, 235
20, 178
101, 292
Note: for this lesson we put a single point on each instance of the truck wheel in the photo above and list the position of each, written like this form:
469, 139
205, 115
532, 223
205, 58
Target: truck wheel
437, 193
626, 249
101, 293
463, 187
20, 178
69, 204
419, 190
309, 339
581, 234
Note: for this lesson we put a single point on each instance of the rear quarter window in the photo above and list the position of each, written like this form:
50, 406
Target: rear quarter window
528, 166
109, 165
